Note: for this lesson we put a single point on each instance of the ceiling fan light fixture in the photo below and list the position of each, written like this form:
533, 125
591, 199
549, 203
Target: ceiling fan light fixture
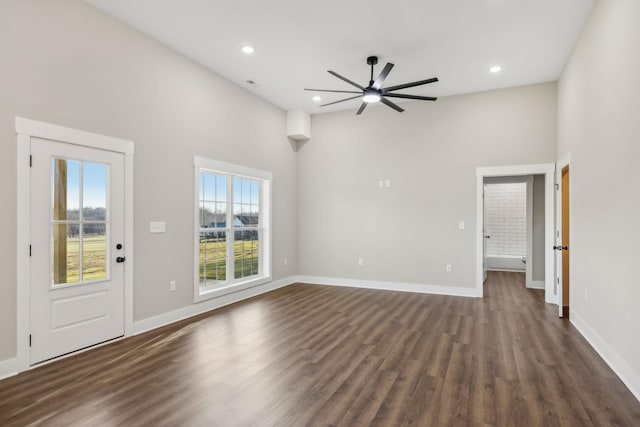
371, 96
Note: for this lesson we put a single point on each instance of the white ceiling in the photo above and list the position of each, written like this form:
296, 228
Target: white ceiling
297, 41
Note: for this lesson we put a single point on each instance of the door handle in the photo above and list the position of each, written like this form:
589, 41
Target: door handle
487, 237
561, 248
120, 259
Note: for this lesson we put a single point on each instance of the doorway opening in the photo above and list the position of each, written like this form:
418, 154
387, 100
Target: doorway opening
514, 227
545, 173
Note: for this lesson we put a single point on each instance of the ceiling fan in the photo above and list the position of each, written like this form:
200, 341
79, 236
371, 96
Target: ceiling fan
374, 92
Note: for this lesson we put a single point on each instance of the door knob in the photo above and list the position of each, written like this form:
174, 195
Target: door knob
120, 259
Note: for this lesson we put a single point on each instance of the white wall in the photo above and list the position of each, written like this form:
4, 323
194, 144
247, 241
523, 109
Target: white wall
409, 232
599, 126
505, 220
64, 62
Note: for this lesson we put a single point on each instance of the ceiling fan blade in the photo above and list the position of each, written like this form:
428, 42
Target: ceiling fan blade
391, 104
382, 76
400, 95
407, 85
362, 107
342, 100
333, 73
329, 90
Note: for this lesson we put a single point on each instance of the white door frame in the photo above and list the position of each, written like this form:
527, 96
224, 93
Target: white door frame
25, 130
546, 169
564, 162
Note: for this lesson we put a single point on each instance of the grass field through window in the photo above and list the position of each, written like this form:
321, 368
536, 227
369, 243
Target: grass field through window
94, 258
213, 261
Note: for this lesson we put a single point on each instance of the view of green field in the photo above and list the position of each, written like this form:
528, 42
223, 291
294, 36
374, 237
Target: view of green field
213, 263
212, 258
94, 255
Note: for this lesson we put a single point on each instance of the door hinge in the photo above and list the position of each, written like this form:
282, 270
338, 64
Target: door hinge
557, 187
30, 161
29, 340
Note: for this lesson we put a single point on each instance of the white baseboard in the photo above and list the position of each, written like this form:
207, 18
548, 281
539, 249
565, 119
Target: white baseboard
9, 368
391, 286
163, 319
507, 270
625, 372
536, 284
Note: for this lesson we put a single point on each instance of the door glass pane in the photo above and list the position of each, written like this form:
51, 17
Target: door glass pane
79, 221
94, 191
94, 251
65, 249
65, 182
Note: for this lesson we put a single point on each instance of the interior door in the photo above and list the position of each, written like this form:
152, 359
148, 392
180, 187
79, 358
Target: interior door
562, 243
485, 237
77, 253
564, 307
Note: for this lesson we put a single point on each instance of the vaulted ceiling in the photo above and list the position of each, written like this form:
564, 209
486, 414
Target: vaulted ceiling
296, 41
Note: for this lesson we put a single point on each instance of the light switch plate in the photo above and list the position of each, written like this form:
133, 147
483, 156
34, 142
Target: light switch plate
157, 227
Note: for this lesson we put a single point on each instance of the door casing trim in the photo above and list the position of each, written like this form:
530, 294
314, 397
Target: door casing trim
25, 130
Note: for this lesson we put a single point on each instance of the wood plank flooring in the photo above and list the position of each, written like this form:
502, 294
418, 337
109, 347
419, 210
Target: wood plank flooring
327, 356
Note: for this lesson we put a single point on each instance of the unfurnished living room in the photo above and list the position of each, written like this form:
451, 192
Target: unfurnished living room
334, 213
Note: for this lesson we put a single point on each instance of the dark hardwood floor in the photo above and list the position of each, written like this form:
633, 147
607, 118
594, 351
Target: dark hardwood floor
324, 356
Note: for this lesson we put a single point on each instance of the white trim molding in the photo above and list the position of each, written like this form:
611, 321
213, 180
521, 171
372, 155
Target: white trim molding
25, 130
623, 370
390, 286
9, 368
163, 319
536, 284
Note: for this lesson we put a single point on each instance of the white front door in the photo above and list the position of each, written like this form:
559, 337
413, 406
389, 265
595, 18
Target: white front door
77, 253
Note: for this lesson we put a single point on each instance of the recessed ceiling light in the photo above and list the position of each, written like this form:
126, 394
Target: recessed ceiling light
247, 49
317, 98
495, 69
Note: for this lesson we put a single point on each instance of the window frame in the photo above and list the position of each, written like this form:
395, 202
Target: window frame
231, 285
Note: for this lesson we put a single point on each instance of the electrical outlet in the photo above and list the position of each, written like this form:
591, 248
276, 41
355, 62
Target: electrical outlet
360, 261
380, 184
387, 183
461, 225
172, 286
448, 268
284, 262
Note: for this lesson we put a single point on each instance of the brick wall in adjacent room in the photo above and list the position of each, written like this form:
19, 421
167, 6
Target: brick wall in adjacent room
506, 218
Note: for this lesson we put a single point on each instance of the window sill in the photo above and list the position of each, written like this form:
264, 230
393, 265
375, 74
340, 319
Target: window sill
230, 289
